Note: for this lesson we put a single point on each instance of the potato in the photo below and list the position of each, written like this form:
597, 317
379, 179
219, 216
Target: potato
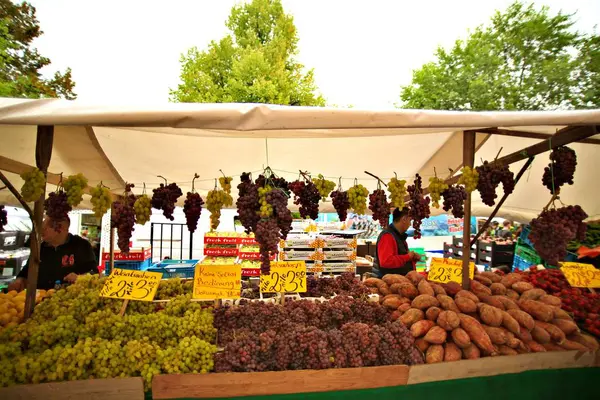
506, 351
550, 300
447, 303
383, 288
452, 352
465, 304
540, 335
436, 335
535, 347
404, 307
372, 282
495, 278
538, 310
477, 334
497, 335
492, 301
533, 294
491, 316
522, 287
508, 303
469, 295
448, 320
415, 277
498, 288
471, 352
394, 288
559, 313
524, 334
524, 319
437, 288
425, 288
483, 280
420, 328
509, 279
393, 301
461, 338
411, 316
422, 344
432, 313
390, 279
510, 323
511, 294
407, 289
556, 334
571, 345
452, 288
395, 315
587, 340
553, 347
480, 289
434, 354
424, 301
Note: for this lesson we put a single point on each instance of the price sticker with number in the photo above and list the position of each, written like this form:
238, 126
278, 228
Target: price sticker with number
444, 270
285, 277
581, 275
213, 282
131, 285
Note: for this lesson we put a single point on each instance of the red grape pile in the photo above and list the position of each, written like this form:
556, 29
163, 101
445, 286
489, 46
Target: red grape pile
345, 284
307, 196
561, 169
164, 198
380, 207
192, 208
419, 205
553, 229
247, 203
122, 217
454, 199
57, 207
339, 198
3, 218
490, 176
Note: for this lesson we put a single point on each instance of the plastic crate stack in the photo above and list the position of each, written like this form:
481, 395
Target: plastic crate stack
494, 255
322, 254
455, 249
136, 259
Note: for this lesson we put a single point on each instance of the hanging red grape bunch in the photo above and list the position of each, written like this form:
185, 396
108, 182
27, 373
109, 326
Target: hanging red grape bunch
306, 195
491, 174
192, 207
561, 169
340, 201
379, 205
164, 198
419, 205
122, 217
57, 206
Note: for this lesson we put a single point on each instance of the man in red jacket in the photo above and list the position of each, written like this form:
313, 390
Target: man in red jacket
392, 255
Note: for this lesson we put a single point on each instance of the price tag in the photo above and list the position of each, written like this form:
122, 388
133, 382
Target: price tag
444, 270
217, 281
286, 276
131, 285
581, 275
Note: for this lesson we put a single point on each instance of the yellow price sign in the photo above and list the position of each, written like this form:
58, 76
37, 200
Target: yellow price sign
285, 276
581, 275
575, 265
131, 285
444, 270
217, 281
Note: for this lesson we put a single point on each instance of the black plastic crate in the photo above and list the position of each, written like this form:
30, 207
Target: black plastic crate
12, 262
9, 240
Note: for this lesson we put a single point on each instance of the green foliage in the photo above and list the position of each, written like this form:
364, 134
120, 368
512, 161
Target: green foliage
253, 64
20, 63
525, 59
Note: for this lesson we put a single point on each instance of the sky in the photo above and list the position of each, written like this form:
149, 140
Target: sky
128, 51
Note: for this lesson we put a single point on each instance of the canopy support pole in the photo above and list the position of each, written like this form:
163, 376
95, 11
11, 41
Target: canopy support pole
468, 161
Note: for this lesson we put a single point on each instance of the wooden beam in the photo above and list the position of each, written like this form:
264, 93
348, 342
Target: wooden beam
529, 135
468, 161
88, 389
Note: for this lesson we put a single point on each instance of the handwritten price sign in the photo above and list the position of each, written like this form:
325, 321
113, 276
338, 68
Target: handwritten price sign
217, 282
581, 275
131, 285
286, 276
444, 270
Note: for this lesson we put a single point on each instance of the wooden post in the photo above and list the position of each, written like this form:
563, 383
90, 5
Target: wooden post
123, 307
43, 153
468, 161
111, 249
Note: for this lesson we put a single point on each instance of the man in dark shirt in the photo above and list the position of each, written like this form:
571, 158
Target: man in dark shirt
63, 257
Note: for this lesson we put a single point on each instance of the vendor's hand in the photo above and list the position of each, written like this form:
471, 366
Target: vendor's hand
415, 256
71, 278
18, 285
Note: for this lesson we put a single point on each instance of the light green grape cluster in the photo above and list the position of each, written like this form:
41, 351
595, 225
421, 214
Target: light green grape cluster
266, 210
397, 189
469, 178
34, 185
142, 209
101, 200
225, 183
324, 186
215, 200
73, 186
436, 188
357, 197
169, 288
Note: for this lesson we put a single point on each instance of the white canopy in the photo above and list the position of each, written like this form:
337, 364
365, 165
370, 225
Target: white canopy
118, 144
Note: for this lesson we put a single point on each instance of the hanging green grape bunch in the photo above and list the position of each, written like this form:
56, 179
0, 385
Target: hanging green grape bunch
357, 196
436, 187
101, 199
397, 189
34, 185
469, 178
74, 186
324, 186
143, 209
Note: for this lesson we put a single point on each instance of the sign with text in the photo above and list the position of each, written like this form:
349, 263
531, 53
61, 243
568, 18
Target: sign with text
217, 281
444, 270
131, 285
581, 275
285, 276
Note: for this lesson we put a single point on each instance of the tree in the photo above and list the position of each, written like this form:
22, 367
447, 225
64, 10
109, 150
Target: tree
255, 63
20, 63
526, 59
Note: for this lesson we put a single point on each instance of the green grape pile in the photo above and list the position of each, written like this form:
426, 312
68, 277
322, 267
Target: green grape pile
143, 209
397, 189
469, 179
266, 210
324, 186
436, 187
357, 196
34, 185
215, 200
101, 199
74, 186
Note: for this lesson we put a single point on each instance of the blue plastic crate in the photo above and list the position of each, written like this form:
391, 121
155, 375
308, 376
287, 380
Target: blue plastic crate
131, 265
175, 268
521, 263
524, 237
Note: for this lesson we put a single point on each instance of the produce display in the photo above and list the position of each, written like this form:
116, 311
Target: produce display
101, 199
491, 174
419, 205
122, 217
345, 284
397, 189
324, 186
34, 184
12, 305
164, 198
561, 169
74, 185
591, 240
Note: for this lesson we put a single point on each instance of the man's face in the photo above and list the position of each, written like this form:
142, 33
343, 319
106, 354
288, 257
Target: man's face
405, 223
49, 234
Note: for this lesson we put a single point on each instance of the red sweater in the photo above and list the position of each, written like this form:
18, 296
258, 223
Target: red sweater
387, 251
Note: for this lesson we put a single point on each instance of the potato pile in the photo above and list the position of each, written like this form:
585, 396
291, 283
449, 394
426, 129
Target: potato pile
500, 315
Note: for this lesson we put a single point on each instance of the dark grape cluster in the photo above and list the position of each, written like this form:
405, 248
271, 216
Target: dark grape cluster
454, 199
307, 196
345, 284
192, 208
164, 198
267, 235
248, 203
3, 218
279, 200
339, 198
419, 205
57, 208
561, 169
553, 229
122, 217
380, 207
490, 176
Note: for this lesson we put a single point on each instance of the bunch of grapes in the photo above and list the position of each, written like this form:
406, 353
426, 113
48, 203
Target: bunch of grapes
454, 199
469, 179
3, 217
192, 208
74, 185
307, 196
215, 200
561, 169
248, 203
278, 201
142, 208
419, 205
553, 229
379, 206
34, 184
339, 198
490, 176
397, 189
357, 197
266, 210
267, 235
101, 199
225, 183
436, 188
164, 198
323, 186
57, 207
123, 218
